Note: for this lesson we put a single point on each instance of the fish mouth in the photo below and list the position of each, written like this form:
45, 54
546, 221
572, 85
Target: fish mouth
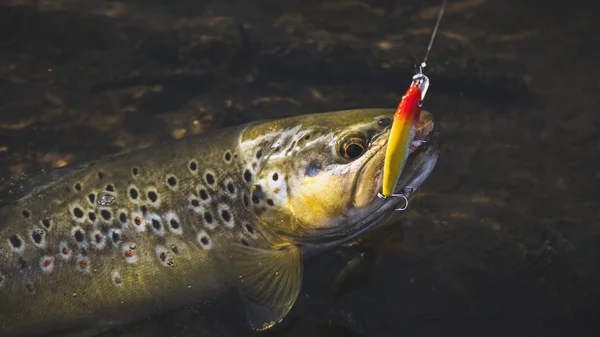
420, 163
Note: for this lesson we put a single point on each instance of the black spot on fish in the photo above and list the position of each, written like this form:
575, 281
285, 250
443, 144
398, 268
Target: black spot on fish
226, 215
144, 209
230, 188
193, 166
307, 137
210, 179
135, 171
227, 156
203, 194
106, 215
110, 188
258, 154
152, 196
26, 213
270, 202
133, 193
247, 176
78, 187
208, 217
116, 237
79, 236
258, 188
174, 223
77, 212
313, 169
46, 223
246, 201
156, 224
195, 202
204, 240
100, 175
275, 176
123, 217
92, 216
249, 228
92, 197
15, 241
37, 237
255, 198
172, 181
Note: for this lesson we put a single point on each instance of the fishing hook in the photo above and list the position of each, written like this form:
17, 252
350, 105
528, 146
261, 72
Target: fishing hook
399, 195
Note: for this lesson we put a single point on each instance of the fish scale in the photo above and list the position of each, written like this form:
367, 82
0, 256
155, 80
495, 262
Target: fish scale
102, 244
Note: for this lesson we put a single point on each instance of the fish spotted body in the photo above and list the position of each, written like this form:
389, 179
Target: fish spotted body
150, 231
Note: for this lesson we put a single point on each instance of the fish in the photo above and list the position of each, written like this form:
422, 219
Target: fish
99, 245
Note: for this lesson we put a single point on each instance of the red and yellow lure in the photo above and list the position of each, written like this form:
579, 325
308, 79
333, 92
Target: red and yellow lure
406, 120
403, 131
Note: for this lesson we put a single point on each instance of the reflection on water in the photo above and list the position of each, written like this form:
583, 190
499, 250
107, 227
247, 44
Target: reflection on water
501, 240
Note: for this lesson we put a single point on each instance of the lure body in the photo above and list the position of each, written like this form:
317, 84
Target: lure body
403, 130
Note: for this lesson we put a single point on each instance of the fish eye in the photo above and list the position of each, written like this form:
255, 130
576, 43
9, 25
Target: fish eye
352, 147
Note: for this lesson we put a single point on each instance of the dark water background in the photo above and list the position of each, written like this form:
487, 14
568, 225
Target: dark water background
502, 240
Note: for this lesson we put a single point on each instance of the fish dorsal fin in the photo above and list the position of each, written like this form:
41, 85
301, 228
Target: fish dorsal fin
14, 189
269, 281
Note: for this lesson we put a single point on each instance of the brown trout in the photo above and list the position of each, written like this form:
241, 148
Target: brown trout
116, 240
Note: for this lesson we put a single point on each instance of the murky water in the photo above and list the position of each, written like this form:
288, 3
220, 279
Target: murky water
502, 239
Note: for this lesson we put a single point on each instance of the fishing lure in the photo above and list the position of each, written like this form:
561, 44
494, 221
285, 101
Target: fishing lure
403, 131
405, 124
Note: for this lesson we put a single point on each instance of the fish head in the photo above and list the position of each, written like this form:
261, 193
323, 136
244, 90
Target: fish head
316, 178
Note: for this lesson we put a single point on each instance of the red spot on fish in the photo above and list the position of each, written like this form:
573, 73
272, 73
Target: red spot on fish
117, 280
46, 263
137, 220
65, 251
30, 287
163, 256
83, 264
98, 238
129, 253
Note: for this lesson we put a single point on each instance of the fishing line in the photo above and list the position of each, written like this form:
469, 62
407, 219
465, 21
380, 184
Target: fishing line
435, 30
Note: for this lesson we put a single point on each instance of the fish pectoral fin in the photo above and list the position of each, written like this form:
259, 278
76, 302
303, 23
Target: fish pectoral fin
269, 282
